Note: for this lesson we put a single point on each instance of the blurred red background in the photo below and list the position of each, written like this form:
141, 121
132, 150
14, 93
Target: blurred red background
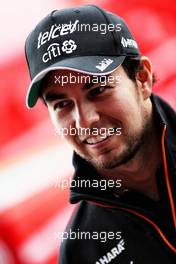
32, 208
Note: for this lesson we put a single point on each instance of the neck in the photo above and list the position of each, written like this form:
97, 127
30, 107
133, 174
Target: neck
139, 174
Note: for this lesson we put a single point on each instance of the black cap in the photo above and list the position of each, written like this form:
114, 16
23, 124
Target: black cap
85, 39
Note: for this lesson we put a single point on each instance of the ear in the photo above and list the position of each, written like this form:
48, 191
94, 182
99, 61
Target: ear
144, 77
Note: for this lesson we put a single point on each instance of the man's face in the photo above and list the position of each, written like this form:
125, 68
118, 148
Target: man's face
94, 106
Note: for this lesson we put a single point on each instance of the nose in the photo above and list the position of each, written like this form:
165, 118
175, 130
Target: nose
86, 115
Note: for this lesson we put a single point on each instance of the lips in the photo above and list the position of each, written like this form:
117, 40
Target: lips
98, 139
95, 140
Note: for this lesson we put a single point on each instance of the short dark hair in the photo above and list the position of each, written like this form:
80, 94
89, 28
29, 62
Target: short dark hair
132, 65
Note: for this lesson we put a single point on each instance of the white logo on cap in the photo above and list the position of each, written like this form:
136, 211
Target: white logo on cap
54, 50
104, 64
128, 43
55, 31
68, 46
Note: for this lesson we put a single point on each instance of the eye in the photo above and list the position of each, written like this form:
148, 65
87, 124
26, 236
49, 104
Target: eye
62, 104
97, 91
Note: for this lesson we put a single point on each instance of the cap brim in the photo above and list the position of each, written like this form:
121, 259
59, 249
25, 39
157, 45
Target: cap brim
85, 64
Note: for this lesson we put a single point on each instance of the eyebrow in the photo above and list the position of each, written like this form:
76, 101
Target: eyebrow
88, 85
51, 96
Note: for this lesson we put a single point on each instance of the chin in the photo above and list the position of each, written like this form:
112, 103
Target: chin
113, 159
105, 161
108, 159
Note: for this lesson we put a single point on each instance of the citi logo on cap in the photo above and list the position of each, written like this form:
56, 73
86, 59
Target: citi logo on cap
129, 43
54, 50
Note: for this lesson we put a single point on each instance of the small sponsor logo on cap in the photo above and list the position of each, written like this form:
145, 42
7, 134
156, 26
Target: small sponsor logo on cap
104, 64
56, 31
129, 43
54, 50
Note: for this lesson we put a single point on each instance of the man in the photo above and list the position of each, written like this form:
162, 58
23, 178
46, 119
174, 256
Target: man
124, 177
